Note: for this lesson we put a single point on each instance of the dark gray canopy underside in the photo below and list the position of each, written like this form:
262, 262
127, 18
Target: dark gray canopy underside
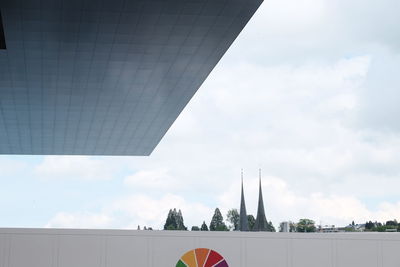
106, 77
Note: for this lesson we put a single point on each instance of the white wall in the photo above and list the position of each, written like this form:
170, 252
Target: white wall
123, 248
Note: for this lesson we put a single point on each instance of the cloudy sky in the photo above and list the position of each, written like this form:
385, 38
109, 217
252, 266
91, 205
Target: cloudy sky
308, 92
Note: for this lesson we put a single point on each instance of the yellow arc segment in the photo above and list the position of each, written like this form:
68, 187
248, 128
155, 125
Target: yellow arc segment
190, 259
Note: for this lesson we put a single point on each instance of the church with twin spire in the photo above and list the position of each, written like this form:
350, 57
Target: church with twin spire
261, 223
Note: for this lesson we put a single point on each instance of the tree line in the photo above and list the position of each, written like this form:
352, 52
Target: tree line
392, 226
174, 221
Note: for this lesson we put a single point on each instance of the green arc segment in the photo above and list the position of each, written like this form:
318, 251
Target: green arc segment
180, 264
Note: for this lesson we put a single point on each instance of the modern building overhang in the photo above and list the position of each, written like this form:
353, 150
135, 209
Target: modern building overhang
106, 77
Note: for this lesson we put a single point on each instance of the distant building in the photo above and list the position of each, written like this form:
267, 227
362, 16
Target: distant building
285, 227
356, 227
330, 229
359, 227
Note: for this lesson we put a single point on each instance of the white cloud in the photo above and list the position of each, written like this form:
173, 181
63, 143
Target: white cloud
75, 167
133, 210
10, 167
153, 179
294, 121
282, 204
388, 211
80, 220
145, 210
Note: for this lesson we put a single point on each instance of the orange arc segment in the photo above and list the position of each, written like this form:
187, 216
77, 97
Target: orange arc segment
190, 259
201, 256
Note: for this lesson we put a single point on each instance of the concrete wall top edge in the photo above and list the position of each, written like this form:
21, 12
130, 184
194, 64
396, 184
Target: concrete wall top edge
156, 233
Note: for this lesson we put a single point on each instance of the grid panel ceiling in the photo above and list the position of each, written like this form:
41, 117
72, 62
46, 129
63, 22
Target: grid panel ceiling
106, 77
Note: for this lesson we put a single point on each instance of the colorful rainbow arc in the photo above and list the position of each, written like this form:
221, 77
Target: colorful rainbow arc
202, 257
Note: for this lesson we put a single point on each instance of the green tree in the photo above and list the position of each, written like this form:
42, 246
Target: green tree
392, 223
233, 218
174, 221
380, 228
292, 227
270, 227
369, 225
170, 223
204, 227
217, 222
306, 225
179, 221
251, 221
195, 228
169, 227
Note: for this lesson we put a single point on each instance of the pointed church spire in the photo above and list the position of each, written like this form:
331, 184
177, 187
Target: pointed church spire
261, 222
243, 223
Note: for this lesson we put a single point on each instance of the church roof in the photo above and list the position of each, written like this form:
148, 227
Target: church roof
261, 221
243, 223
